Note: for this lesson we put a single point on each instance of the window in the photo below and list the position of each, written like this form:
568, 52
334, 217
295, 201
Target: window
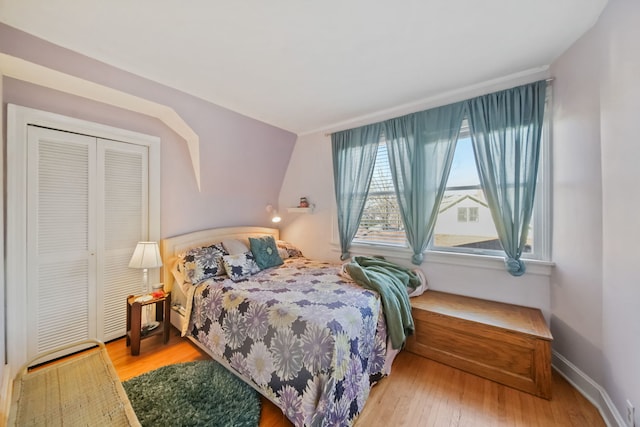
467, 214
473, 214
464, 222
381, 222
462, 214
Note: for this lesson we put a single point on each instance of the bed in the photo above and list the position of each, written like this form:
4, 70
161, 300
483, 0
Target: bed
307, 338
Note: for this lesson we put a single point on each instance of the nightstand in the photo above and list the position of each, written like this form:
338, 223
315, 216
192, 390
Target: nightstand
134, 320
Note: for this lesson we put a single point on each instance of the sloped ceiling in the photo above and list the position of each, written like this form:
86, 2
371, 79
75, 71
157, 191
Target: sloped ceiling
306, 65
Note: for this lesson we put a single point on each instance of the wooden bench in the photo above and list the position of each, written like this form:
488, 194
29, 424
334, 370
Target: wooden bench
505, 343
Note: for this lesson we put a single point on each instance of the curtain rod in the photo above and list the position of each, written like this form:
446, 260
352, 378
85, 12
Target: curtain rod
549, 81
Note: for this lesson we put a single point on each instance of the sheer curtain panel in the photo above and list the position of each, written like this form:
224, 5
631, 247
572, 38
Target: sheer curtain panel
506, 128
354, 155
420, 148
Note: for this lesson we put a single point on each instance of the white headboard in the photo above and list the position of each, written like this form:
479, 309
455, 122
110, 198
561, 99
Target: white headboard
172, 246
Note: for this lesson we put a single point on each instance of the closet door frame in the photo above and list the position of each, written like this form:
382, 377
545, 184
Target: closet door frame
18, 118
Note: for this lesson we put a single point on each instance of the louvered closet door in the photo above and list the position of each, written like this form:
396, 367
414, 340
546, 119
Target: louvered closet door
61, 239
123, 214
87, 204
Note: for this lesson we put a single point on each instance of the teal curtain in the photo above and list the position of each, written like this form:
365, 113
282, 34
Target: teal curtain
354, 155
506, 128
420, 148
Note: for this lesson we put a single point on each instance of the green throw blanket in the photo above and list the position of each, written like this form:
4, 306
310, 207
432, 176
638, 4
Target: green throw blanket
390, 281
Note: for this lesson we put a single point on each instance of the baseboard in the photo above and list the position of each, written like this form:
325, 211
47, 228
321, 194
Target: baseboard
5, 394
589, 389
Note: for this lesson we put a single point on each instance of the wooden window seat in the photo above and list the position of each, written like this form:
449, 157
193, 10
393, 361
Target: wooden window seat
505, 343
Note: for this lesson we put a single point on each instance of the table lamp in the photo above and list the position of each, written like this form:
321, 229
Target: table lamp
146, 256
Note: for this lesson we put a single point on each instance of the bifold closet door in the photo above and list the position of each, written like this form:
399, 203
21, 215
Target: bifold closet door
123, 221
61, 239
87, 203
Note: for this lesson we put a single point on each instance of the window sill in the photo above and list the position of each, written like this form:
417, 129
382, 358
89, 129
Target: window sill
537, 267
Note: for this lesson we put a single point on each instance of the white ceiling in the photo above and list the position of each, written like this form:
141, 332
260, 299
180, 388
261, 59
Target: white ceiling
306, 65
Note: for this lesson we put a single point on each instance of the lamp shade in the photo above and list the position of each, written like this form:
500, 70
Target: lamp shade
146, 255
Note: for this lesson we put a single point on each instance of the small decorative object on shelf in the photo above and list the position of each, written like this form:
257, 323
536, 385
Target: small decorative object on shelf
303, 207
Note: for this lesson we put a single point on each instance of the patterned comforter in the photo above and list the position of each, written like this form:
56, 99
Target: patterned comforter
309, 340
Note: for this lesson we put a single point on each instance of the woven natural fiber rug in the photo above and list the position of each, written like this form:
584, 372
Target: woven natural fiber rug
200, 393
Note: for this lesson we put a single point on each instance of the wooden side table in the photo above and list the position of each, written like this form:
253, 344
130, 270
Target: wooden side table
134, 320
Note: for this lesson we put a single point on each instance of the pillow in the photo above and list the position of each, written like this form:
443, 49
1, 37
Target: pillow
177, 273
292, 251
265, 251
199, 264
240, 266
283, 253
235, 246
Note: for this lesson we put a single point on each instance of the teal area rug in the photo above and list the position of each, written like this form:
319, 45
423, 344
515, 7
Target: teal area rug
200, 393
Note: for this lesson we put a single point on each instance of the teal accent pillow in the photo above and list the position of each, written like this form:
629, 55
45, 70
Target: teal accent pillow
265, 251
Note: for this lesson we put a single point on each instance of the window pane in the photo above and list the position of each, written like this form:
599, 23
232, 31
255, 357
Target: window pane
463, 169
464, 220
462, 214
381, 221
473, 214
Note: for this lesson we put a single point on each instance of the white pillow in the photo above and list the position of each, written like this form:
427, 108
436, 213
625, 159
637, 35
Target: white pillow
283, 253
235, 246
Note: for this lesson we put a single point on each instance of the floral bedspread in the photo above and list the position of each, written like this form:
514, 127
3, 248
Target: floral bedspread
307, 338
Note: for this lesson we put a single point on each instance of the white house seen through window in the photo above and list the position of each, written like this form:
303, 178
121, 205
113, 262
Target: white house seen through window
464, 221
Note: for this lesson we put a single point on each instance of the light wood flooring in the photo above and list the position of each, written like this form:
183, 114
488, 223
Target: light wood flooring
419, 392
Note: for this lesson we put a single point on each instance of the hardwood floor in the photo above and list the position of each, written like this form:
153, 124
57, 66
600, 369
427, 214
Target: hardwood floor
419, 392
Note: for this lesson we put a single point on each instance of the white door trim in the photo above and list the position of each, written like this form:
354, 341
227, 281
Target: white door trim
18, 118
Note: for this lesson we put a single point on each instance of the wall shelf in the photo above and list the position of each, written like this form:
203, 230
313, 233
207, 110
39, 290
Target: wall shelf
308, 210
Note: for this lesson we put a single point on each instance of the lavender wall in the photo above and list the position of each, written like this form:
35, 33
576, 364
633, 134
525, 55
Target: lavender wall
620, 127
576, 283
243, 161
596, 292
